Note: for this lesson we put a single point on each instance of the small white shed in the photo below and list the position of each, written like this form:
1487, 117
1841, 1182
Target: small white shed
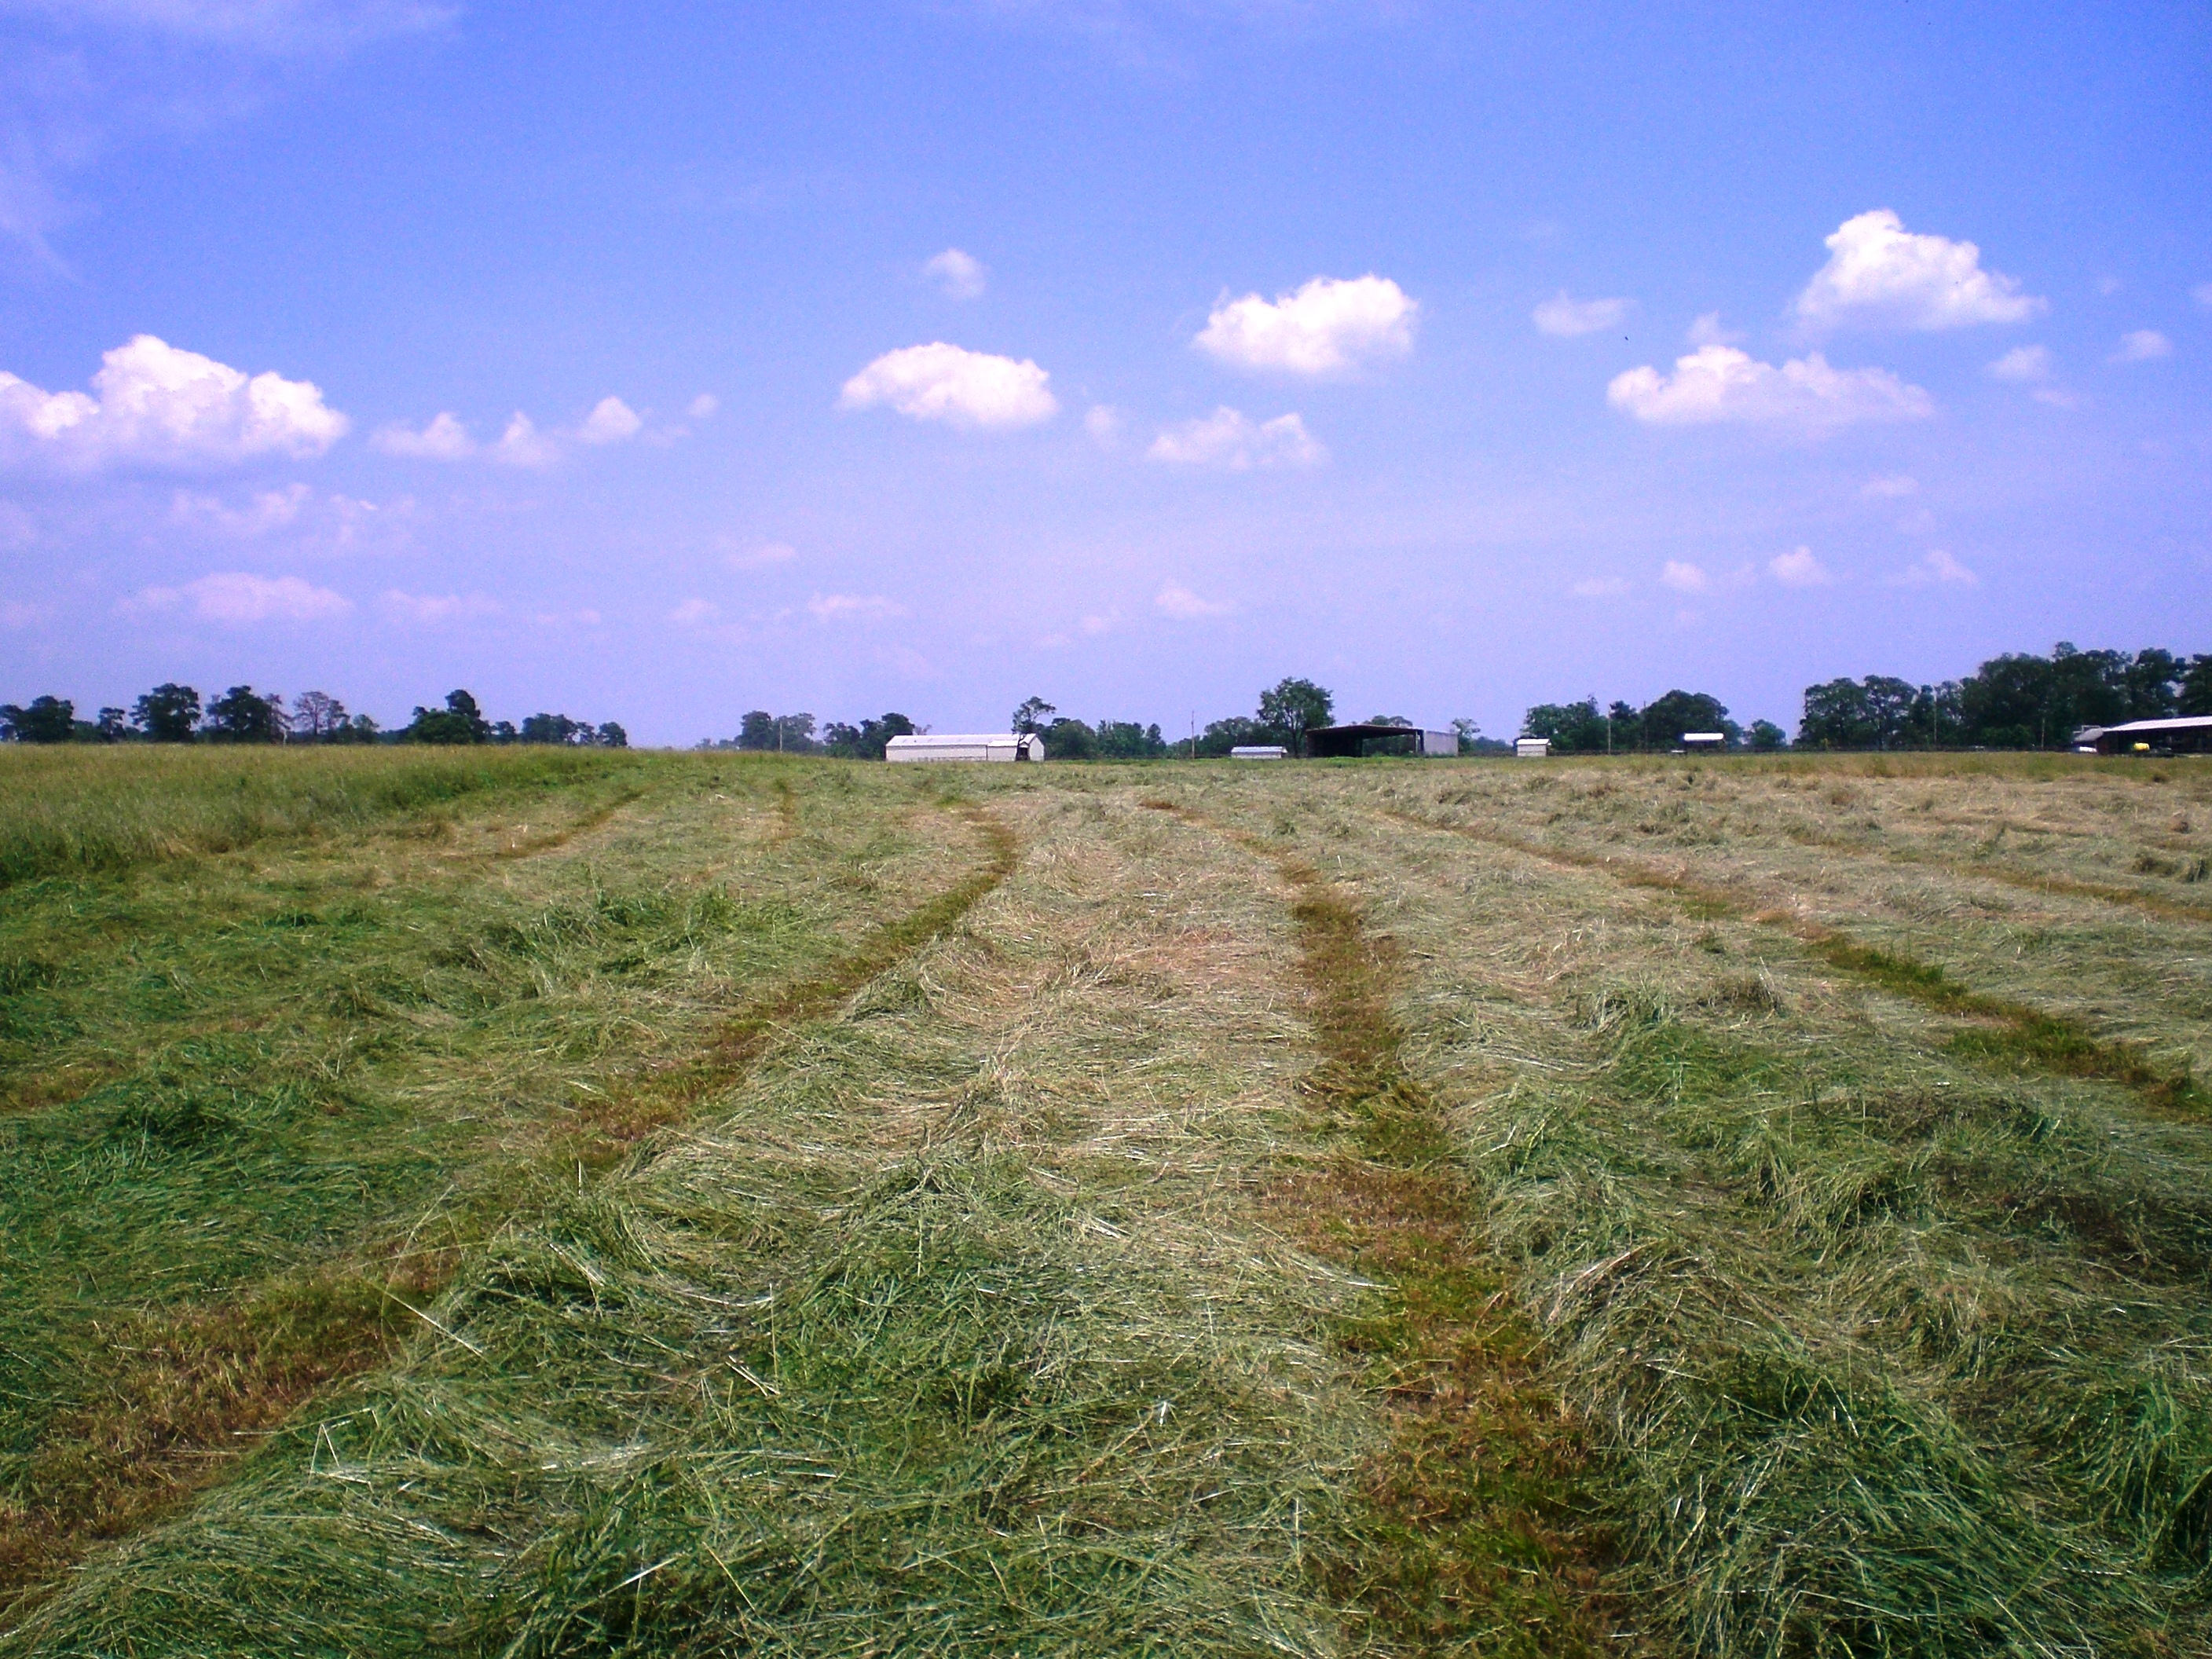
1703, 743
966, 746
1259, 751
1532, 748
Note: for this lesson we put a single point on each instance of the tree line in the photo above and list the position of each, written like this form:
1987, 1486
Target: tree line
2016, 701
173, 714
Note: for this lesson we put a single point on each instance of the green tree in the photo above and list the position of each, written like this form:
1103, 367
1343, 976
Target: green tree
1032, 714
1238, 732
1127, 740
242, 715
2196, 688
612, 735
317, 717
1666, 719
168, 714
1766, 737
867, 740
1575, 728
459, 721
1070, 739
48, 719
113, 726
1292, 707
557, 729
757, 730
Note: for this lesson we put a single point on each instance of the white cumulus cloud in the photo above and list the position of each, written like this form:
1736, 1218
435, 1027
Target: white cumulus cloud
1880, 275
2140, 345
1178, 602
958, 276
152, 403
446, 439
1685, 578
1720, 383
963, 388
610, 422
703, 407
1567, 316
1706, 330
1327, 327
237, 597
523, 445
1228, 438
1799, 568
1103, 422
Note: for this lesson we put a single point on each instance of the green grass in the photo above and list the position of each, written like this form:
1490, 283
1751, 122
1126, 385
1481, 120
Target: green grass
692, 1206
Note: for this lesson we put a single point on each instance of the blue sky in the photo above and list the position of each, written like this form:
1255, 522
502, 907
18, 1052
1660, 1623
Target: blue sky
1135, 353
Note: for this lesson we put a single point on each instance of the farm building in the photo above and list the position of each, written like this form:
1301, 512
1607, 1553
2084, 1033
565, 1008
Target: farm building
1351, 742
2192, 734
956, 746
1259, 751
1532, 748
1703, 743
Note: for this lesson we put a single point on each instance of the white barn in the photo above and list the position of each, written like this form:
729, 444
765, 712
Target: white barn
970, 746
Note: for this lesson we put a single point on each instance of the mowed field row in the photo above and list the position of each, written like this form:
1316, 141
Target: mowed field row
594, 1204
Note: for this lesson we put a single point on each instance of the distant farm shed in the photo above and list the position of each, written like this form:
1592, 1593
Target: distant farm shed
2192, 734
1698, 743
1532, 748
1259, 751
974, 746
1349, 742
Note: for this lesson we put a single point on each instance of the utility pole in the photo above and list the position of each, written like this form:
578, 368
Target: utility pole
1193, 734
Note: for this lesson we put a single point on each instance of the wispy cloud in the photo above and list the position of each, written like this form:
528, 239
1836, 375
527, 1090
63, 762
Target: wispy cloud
1566, 318
958, 276
1935, 569
1229, 438
2142, 345
853, 607
1175, 601
239, 598
1799, 568
434, 610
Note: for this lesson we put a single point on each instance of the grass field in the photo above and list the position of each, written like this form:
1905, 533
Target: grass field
558, 1203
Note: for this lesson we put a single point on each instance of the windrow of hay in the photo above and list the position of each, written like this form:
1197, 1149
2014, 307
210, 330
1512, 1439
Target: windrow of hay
264, 1103
954, 1327
1469, 1529
2015, 1032
76, 810
1873, 1351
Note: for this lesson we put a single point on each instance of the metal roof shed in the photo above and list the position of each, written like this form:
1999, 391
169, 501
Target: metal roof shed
1349, 742
966, 746
2192, 734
